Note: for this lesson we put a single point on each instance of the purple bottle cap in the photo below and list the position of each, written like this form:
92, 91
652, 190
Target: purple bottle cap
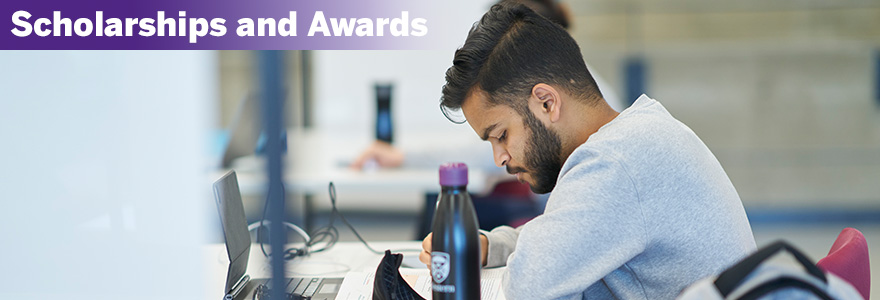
453, 174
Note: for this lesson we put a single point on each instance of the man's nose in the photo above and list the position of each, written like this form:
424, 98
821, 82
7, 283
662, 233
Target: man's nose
501, 156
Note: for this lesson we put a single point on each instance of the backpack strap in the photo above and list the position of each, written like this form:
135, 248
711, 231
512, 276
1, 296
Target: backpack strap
781, 283
732, 277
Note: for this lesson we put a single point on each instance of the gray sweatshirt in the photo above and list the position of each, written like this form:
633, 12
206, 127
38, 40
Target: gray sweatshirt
641, 210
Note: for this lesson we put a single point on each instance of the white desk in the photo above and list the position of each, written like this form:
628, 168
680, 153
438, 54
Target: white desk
342, 258
335, 262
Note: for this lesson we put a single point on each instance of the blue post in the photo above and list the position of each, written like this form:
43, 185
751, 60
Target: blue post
877, 77
270, 64
634, 77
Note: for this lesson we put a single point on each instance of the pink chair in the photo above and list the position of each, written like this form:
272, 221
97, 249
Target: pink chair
848, 259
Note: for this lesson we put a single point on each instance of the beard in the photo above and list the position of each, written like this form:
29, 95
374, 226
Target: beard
543, 156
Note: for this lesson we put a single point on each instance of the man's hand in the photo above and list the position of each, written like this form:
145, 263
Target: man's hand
425, 256
385, 155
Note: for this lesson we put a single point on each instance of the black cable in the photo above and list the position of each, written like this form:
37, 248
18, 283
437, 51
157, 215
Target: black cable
328, 234
260, 229
334, 211
289, 253
332, 233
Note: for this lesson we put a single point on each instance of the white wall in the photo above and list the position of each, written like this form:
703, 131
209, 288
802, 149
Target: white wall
345, 98
104, 158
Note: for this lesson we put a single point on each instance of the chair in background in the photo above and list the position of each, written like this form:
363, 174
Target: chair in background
510, 203
518, 203
848, 259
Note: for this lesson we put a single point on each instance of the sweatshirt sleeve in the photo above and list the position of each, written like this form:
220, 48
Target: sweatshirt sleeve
592, 226
502, 242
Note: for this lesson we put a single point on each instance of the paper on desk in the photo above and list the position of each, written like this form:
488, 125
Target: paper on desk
359, 285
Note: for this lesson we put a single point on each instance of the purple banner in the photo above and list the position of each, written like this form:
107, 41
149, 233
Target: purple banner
226, 25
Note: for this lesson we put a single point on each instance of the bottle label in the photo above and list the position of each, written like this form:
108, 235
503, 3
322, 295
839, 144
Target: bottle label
439, 266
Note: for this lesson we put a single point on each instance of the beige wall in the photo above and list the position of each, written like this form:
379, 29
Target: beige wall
238, 77
782, 92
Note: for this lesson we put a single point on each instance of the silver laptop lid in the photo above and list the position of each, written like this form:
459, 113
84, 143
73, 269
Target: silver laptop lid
232, 218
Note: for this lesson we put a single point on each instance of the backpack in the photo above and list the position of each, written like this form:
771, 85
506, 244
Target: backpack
755, 278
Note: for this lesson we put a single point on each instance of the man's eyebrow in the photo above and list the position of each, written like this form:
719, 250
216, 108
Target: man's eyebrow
486, 131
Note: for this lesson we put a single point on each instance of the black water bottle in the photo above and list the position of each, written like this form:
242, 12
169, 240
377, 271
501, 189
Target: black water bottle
455, 252
384, 126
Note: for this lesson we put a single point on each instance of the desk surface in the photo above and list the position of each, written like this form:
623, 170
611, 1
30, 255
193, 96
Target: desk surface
335, 262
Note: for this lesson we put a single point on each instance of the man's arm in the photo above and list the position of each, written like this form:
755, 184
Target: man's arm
425, 256
502, 242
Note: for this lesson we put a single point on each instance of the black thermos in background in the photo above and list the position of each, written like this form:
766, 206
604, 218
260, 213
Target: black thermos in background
455, 245
384, 128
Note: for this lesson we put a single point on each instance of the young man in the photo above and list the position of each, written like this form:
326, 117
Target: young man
639, 207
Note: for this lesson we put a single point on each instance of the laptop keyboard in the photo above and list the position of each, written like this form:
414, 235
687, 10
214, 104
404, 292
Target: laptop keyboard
303, 289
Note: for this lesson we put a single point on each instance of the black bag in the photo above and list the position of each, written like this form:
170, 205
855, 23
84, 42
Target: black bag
388, 284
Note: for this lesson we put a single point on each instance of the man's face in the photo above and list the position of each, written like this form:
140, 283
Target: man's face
520, 143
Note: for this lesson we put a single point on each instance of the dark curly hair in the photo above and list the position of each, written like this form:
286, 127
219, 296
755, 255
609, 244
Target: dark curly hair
550, 9
509, 51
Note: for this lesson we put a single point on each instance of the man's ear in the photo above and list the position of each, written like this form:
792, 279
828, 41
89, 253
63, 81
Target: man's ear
545, 99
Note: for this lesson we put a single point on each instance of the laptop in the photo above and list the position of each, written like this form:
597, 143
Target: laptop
238, 245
